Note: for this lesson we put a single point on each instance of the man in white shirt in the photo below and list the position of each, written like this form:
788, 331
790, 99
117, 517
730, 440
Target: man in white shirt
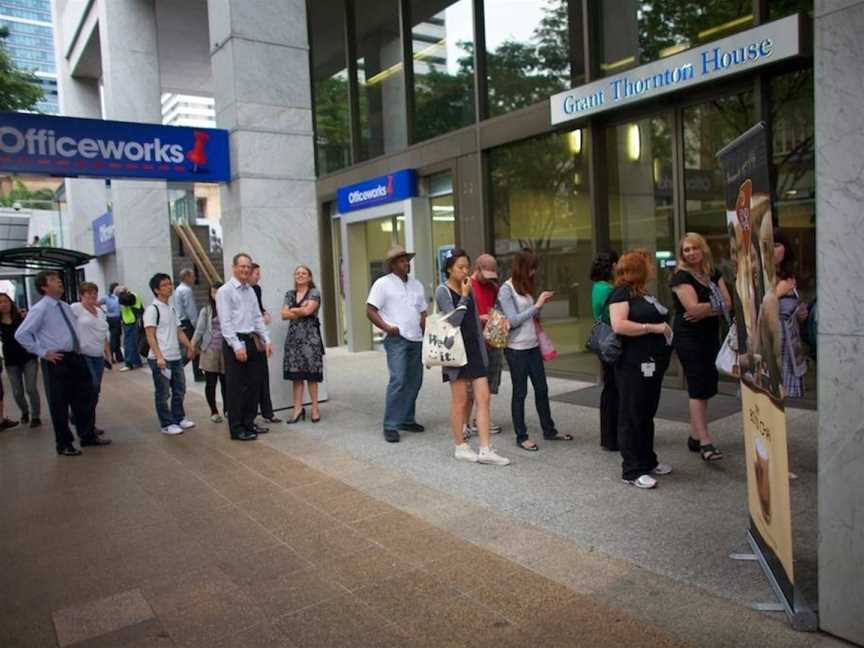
246, 348
397, 305
165, 335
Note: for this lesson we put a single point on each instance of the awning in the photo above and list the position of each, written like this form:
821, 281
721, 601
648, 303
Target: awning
43, 258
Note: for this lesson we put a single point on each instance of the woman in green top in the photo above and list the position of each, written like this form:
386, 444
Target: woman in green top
602, 270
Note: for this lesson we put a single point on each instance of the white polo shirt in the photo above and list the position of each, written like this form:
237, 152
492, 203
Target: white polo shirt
400, 303
166, 331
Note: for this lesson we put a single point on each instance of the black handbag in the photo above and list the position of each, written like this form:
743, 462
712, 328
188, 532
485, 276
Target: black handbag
604, 342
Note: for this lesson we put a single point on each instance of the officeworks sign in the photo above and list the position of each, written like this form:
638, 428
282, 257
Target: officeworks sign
68, 146
755, 47
103, 234
377, 191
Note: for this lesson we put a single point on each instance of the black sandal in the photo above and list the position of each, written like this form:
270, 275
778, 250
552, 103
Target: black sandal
531, 448
709, 453
559, 437
692, 444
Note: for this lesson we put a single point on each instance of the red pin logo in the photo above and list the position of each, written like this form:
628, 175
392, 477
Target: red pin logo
198, 156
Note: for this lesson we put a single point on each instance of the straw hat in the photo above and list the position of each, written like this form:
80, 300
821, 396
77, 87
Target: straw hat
395, 252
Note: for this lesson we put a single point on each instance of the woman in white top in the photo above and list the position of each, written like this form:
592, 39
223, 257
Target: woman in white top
523, 349
93, 336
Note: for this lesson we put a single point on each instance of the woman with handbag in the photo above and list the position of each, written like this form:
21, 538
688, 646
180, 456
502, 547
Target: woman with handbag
701, 299
523, 349
640, 321
602, 268
455, 297
207, 341
792, 311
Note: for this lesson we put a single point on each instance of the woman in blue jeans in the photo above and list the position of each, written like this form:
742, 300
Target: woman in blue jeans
93, 336
523, 349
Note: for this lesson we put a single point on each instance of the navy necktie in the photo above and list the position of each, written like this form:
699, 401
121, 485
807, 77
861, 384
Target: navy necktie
76, 347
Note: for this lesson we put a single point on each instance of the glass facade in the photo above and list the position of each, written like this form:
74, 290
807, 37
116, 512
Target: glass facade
527, 51
380, 80
442, 42
635, 32
540, 199
330, 85
30, 44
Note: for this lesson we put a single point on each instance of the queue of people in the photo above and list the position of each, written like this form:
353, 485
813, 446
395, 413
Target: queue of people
228, 341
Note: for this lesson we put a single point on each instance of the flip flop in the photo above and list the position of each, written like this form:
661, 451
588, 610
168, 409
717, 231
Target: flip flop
531, 448
559, 437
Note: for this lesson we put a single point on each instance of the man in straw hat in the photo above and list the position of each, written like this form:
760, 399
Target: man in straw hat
397, 305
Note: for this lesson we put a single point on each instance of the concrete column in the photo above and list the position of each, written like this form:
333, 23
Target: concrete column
131, 92
840, 239
260, 61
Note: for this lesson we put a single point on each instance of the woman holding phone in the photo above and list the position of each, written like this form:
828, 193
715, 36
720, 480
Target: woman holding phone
516, 296
456, 295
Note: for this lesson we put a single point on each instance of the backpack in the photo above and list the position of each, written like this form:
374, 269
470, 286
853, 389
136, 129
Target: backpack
143, 344
810, 328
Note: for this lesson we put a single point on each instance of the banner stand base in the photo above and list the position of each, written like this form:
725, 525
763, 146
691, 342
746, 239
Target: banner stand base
801, 616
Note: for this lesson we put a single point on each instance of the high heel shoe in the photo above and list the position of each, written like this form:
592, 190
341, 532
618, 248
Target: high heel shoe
315, 419
300, 417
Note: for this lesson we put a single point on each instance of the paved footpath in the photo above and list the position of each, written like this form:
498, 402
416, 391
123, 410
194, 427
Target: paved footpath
295, 541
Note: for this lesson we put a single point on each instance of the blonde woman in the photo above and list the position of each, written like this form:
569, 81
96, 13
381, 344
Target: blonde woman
701, 299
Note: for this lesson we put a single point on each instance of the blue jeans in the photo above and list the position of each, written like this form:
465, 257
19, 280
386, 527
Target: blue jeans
176, 386
96, 366
404, 361
130, 345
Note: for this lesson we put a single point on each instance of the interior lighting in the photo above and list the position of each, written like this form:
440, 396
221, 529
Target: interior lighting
674, 49
608, 67
397, 67
574, 141
577, 179
634, 143
727, 26
387, 226
658, 170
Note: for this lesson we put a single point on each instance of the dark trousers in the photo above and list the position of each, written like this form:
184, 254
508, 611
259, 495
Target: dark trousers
211, 378
525, 364
243, 386
189, 329
68, 383
115, 326
638, 398
266, 403
130, 346
609, 409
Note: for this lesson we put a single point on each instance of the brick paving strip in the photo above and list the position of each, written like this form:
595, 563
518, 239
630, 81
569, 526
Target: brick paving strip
200, 541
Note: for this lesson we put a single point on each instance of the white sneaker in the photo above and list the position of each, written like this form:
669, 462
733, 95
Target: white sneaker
172, 429
186, 424
489, 456
465, 452
125, 368
216, 418
644, 481
662, 469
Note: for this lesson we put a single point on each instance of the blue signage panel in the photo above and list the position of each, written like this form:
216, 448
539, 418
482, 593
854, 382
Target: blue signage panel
68, 146
103, 234
377, 191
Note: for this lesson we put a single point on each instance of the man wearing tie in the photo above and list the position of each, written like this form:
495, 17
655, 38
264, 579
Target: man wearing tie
246, 348
48, 331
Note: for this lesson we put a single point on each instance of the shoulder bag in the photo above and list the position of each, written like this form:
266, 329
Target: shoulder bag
442, 342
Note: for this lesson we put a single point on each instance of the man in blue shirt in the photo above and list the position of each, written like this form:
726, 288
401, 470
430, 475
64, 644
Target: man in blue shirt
48, 332
115, 326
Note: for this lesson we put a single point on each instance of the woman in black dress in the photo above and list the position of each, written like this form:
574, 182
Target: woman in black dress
456, 295
304, 348
640, 320
701, 298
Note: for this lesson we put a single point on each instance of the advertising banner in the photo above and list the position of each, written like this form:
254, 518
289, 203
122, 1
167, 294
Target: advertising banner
70, 147
751, 239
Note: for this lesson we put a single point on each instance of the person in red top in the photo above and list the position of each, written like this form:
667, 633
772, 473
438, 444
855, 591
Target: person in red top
484, 283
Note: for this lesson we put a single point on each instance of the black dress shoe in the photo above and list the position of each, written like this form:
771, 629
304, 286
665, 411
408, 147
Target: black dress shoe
272, 419
36, 422
95, 442
98, 431
259, 429
244, 436
25, 418
392, 436
69, 451
5, 424
412, 427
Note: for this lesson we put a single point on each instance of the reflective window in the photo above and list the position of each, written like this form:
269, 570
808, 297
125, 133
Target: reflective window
527, 51
442, 36
781, 8
708, 127
443, 221
540, 199
330, 85
380, 79
640, 186
634, 32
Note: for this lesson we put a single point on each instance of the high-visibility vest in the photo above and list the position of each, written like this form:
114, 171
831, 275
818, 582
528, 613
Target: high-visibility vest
127, 313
